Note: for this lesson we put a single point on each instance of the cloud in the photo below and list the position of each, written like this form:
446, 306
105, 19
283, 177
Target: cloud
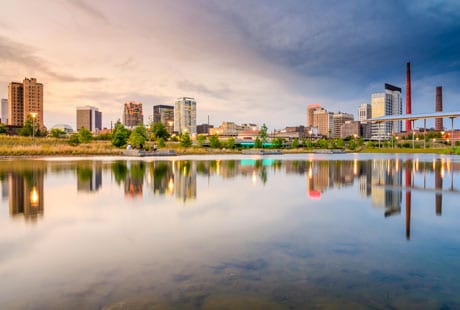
189, 86
89, 10
20, 54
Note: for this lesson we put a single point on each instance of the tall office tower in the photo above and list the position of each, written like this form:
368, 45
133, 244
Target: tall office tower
385, 104
438, 122
164, 114
311, 108
25, 100
185, 115
90, 118
322, 119
364, 112
132, 114
4, 112
338, 120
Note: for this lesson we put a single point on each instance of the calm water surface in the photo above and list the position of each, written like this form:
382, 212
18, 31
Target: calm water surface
231, 232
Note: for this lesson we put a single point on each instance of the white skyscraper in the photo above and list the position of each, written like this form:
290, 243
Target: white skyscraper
185, 115
4, 111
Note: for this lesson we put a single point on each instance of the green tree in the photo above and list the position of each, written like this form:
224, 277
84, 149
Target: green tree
295, 143
28, 127
339, 143
258, 143
277, 142
352, 144
138, 136
57, 133
185, 140
74, 139
201, 140
263, 134
120, 134
161, 142
84, 135
3, 129
230, 143
159, 131
214, 141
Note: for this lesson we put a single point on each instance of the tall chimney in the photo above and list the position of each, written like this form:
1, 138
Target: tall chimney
408, 97
438, 122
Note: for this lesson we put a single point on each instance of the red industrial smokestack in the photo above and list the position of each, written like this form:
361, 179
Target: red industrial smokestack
408, 97
438, 122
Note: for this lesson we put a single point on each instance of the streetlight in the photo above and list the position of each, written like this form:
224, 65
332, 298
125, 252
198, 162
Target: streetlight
34, 115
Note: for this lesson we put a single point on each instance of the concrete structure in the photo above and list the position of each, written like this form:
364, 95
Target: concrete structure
203, 129
438, 122
350, 129
4, 111
364, 112
185, 115
90, 118
25, 100
322, 119
385, 104
338, 120
311, 108
290, 133
408, 96
164, 114
132, 114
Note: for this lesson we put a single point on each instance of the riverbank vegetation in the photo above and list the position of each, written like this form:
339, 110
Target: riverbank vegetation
56, 142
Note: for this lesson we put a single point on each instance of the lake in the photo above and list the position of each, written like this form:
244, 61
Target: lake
231, 232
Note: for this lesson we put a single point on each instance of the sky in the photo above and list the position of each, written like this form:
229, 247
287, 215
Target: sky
243, 61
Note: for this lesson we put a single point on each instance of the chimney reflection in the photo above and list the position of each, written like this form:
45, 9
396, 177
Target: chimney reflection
408, 173
438, 169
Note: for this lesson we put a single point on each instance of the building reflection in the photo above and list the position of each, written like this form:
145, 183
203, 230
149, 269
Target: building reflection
26, 194
89, 176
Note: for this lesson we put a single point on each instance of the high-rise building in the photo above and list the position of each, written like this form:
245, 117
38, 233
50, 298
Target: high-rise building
322, 119
90, 118
383, 104
132, 114
25, 100
4, 112
311, 108
185, 115
364, 112
338, 120
164, 114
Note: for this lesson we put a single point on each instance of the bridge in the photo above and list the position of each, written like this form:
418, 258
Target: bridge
414, 117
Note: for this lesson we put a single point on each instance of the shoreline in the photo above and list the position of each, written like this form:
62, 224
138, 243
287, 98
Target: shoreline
26, 154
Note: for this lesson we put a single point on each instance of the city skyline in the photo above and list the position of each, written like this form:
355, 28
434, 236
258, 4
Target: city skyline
241, 61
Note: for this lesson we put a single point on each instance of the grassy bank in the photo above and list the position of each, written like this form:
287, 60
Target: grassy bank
27, 146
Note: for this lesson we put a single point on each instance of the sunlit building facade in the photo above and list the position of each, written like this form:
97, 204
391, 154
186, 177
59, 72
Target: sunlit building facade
185, 115
132, 114
25, 100
164, 114
383, 104
322, 119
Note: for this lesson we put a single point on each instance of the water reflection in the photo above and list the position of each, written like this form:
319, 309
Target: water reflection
384, 182
291, 231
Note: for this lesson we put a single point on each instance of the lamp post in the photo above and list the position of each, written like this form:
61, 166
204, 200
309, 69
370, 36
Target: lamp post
34, 115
